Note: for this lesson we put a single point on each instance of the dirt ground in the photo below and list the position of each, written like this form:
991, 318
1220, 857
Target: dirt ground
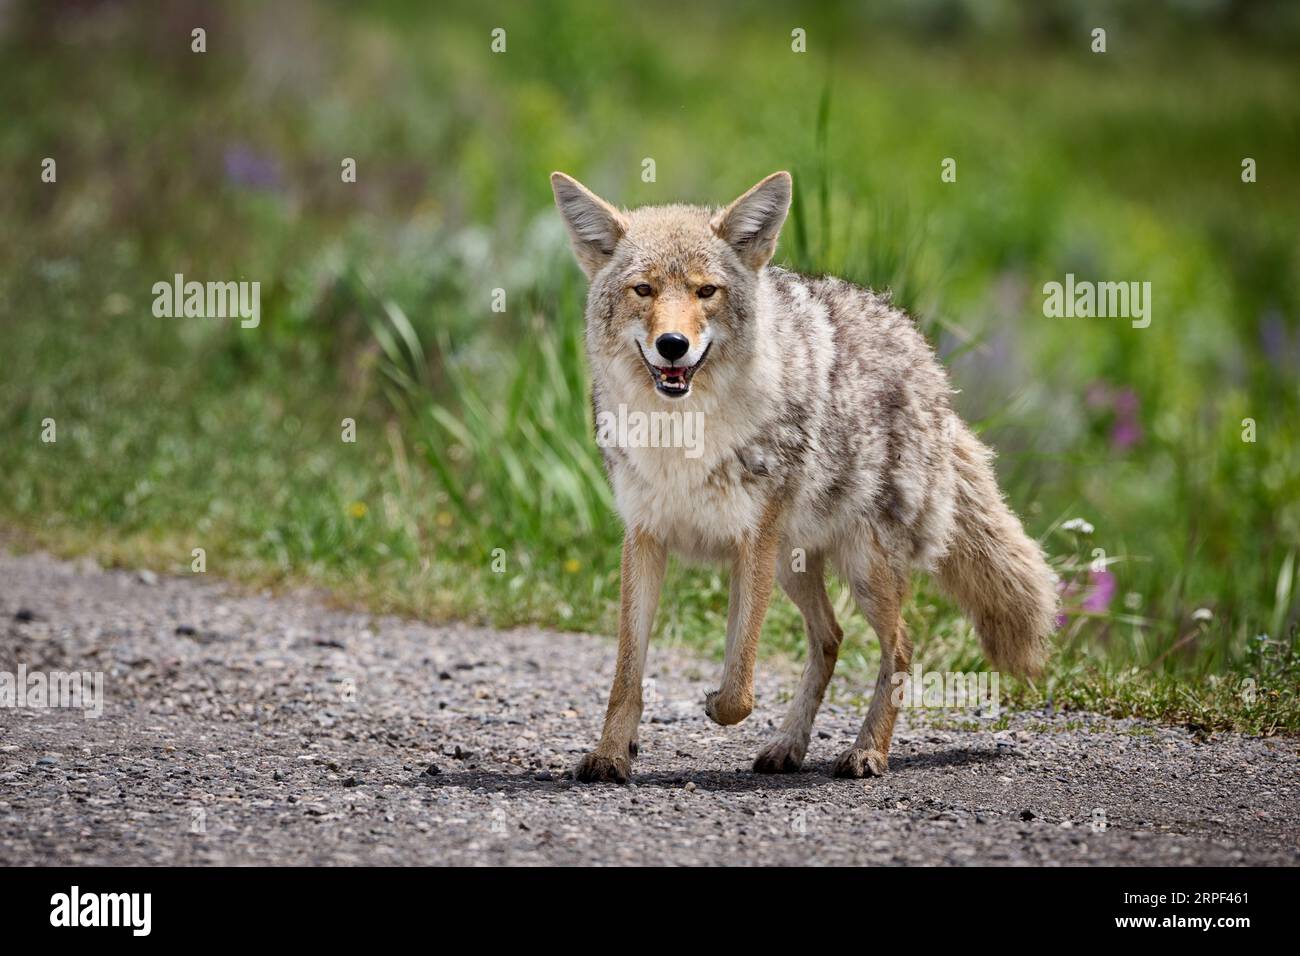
246, 729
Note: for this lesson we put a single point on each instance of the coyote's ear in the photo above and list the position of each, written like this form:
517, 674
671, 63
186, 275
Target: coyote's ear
751, 224
595, 226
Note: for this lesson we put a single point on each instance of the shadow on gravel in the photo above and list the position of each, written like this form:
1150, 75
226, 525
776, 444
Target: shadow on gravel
732, 780
817, 775
955, 757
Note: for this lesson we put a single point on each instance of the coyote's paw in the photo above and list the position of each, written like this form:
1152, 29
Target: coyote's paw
781, 755
856, 762
726, 710
598, 768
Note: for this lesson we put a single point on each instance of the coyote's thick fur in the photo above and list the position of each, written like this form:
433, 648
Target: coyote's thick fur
827, 437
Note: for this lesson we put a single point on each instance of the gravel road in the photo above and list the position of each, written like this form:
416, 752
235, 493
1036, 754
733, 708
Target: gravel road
247, 729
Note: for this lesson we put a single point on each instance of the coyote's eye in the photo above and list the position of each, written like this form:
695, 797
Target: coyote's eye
642, 290
706, 291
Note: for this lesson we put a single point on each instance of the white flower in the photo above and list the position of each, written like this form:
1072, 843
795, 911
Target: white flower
1079, 525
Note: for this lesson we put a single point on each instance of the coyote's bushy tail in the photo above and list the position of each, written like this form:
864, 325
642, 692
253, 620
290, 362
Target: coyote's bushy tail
995, 572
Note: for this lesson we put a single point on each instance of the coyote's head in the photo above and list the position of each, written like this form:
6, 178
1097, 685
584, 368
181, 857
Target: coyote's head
673, 288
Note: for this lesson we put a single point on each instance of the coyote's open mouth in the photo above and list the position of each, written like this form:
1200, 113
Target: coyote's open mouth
673, 380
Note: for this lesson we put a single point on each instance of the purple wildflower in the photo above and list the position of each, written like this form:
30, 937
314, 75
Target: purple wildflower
1101, 592
1125, 434
1125, 405
244, 166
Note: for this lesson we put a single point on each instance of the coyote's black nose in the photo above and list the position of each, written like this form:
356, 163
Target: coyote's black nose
672, 345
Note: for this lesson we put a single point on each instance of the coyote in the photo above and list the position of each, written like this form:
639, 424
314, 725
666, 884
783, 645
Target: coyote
828, 438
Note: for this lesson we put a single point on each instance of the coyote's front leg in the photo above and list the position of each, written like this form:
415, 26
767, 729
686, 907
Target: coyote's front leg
752, 575
644, 559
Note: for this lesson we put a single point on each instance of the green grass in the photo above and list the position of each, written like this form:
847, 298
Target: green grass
474, 449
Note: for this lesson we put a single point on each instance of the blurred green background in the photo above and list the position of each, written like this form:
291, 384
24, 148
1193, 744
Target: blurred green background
473, 426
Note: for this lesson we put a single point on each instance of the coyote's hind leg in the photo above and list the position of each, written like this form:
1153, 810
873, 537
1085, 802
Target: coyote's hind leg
784, 753
880, 594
